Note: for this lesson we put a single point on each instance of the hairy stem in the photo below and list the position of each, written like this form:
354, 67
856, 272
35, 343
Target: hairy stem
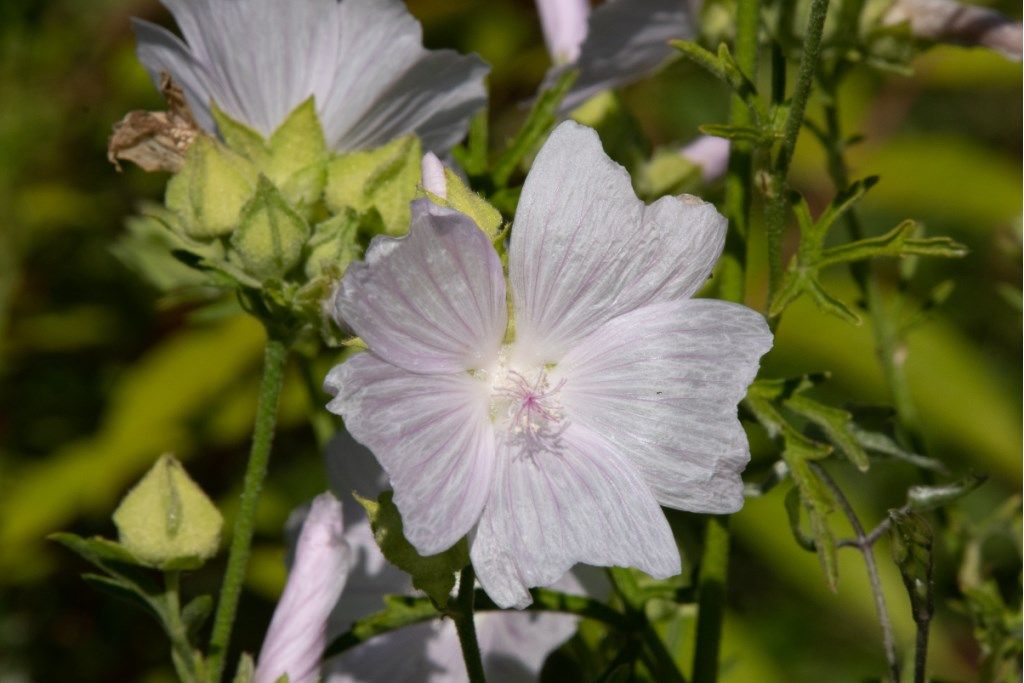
775, 212
740, 173
274, 360
866, 548
714, 568
462, 615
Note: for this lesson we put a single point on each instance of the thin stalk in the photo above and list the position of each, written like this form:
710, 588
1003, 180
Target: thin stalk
864, 545
740, 171
714, 568
462, 615
186, 663
775, 212
274, 360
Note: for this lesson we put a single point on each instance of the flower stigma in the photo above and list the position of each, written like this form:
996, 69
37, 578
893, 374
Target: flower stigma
524, 404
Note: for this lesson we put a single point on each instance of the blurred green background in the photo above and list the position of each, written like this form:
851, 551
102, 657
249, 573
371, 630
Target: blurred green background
99, 374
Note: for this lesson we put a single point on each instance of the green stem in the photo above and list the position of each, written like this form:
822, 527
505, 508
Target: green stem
186, 663
714, 568
321, 422
463, 618
274, 360
775, 212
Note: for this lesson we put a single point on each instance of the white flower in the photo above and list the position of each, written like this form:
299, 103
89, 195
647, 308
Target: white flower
513, 646
618, 392
295, 640
362, 60
432, 172
620, 42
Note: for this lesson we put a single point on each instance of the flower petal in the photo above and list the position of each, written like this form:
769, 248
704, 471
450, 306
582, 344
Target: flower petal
548, 511
363, 61
662, 384
626, 40
585, 249
433, 301
433, 436
295, 640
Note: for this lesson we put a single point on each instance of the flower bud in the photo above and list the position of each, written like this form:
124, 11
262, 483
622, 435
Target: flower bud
211, 189
564, 23
297, 635
711, 154
166, 517
271, 235
432, 174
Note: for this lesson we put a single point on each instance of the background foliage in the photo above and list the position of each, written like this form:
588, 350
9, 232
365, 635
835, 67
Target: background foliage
98, 374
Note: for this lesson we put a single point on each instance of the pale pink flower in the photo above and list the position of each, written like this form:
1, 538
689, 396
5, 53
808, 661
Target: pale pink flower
947, 21
295, 640
363, 61
564, 23
432, 172
710, 153
617, 393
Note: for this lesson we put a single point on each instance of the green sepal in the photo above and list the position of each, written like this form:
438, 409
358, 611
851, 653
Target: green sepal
211, 189
333, 245
271, 236
382, 179
461, 197
166, 521
245, 672
435, 574
294, 158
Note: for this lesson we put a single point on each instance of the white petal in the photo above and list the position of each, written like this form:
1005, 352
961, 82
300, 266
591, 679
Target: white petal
662, 384
362, 60
585, 249
295, 640
626, 40
433, 436
548, 511
432, 173
432, 301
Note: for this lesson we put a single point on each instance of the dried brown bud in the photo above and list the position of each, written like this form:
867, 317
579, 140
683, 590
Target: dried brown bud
155, 140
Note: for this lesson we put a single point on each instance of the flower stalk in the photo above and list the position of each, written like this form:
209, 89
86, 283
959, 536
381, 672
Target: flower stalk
462, 615
274, 361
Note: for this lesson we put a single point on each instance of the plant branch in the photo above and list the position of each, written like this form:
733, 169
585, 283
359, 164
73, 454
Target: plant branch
775, 212
274, 360
714, 568
867, 551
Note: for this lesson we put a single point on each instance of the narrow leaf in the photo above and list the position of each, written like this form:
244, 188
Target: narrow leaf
923, 498
836, 424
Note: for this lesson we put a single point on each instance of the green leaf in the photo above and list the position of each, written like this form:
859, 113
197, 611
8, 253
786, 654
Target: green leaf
384, 179
702, 57
829, 304
755, 136
166, 520
923, 498
195, 614
836, 424
122, 589
816, 498
898, 242
270, 239
876, 442
211, 189
435, 574
539, 121
398, 611
97, 550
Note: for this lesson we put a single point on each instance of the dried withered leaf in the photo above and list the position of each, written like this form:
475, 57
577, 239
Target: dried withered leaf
155, 140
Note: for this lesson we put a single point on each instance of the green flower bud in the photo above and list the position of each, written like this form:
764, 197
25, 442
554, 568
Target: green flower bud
211, 189
333, 245
382, 179
167, 520
271, 236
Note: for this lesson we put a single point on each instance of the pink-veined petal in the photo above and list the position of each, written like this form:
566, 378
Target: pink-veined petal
662, 385
549, 510
433, 436
432, 301
585, 249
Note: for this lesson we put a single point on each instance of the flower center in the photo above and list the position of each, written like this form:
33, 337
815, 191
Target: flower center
525, 407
